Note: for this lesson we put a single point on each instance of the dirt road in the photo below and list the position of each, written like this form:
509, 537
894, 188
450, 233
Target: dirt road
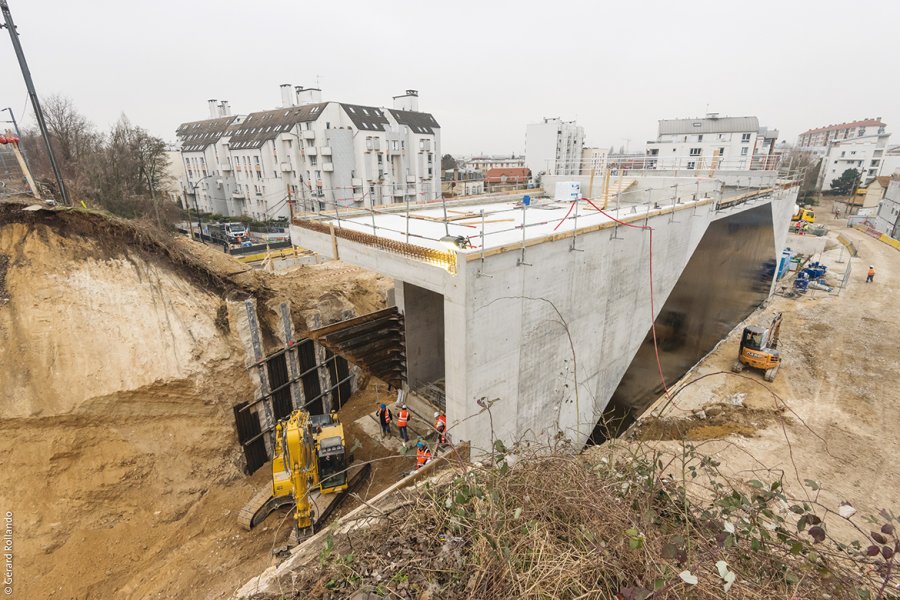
834, 420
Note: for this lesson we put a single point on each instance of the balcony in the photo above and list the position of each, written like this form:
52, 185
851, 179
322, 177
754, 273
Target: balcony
224, 167
356, 182
328, 167
286, 167
311, 151
410, 179
326, 151
308, 135
238, 195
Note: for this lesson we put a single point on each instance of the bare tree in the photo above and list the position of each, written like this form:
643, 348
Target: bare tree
71, 131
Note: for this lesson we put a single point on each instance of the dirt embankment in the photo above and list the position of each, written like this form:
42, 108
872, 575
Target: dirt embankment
830, 416
119, 368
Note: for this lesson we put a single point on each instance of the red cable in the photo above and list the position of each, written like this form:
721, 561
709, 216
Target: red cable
571, 206
652, 308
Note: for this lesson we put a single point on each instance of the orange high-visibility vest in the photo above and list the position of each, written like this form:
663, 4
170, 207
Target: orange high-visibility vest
441, 423
871, 272
423, 455
402, 417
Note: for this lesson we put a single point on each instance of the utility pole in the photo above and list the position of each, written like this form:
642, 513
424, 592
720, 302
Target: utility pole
35, 103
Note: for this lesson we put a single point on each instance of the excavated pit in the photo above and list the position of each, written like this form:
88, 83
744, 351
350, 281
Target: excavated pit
119, 366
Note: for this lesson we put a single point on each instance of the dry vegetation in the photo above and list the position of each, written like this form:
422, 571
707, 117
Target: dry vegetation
611, 524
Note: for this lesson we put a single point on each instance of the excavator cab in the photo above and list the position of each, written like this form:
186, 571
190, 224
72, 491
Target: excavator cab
758, 349
332, 464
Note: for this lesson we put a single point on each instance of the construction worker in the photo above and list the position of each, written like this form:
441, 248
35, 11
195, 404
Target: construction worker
870, 274
384, 419
402, 421
440, 425
423, 455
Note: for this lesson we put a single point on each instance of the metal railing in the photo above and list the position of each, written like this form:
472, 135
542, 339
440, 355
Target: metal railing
368, 229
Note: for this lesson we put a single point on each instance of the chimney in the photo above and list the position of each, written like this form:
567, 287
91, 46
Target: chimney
286, 100
308, 95
407, 101
226, 108
213, 112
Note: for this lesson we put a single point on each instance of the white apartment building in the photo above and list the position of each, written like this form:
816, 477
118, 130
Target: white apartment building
553, 147
173, 182
817, 140
203, 149
593, 159
311, 155
865, 154
887, 219
485, 163
712, 142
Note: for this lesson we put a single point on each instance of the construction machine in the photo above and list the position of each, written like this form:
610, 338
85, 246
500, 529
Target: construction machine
758, 349
803, 215
310, 470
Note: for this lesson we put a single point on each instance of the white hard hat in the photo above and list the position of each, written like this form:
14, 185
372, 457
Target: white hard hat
871, 266
402, 406
436, 415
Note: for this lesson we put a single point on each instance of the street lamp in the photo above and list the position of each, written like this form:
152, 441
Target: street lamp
12, 120
194, 187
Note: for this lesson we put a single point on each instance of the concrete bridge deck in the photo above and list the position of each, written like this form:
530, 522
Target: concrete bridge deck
544, 322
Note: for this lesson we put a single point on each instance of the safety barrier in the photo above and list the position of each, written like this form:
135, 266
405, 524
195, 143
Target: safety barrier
445, 259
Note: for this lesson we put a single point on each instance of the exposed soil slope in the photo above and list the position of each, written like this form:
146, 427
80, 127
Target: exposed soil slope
119, 369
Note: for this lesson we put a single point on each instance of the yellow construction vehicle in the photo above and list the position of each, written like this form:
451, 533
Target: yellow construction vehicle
310, 469
758, 349
803, 214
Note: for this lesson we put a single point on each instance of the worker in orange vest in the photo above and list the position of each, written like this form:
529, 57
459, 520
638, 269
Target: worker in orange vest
402, 422
870, 274
440, 425
423, 455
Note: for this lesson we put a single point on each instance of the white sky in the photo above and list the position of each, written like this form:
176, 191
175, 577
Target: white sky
484, 69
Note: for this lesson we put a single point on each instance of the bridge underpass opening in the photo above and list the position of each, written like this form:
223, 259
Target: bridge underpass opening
423, 312
727, 278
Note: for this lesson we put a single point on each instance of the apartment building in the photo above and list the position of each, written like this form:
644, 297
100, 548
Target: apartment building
203, 144
865, 154
311, 155
554, 147
887, 220
712, 142
817, 140
486, 163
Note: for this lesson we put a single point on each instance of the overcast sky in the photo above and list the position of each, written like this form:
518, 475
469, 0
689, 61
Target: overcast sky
484, 69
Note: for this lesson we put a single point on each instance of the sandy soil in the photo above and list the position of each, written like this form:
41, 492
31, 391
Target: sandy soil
835, 415
119, 370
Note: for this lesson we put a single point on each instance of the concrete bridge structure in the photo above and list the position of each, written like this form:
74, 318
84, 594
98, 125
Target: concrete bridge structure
542, 311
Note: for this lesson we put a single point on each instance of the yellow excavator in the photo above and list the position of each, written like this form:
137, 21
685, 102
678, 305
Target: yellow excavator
310, 469
758, 349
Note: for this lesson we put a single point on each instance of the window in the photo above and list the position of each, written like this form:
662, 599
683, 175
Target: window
843, 153
700, 138
695, 151
861, 132
745, 138
743, 151
690, 165
721, 152
312, 161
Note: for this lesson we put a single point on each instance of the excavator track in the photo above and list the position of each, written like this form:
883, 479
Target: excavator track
263, 503
261, 506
